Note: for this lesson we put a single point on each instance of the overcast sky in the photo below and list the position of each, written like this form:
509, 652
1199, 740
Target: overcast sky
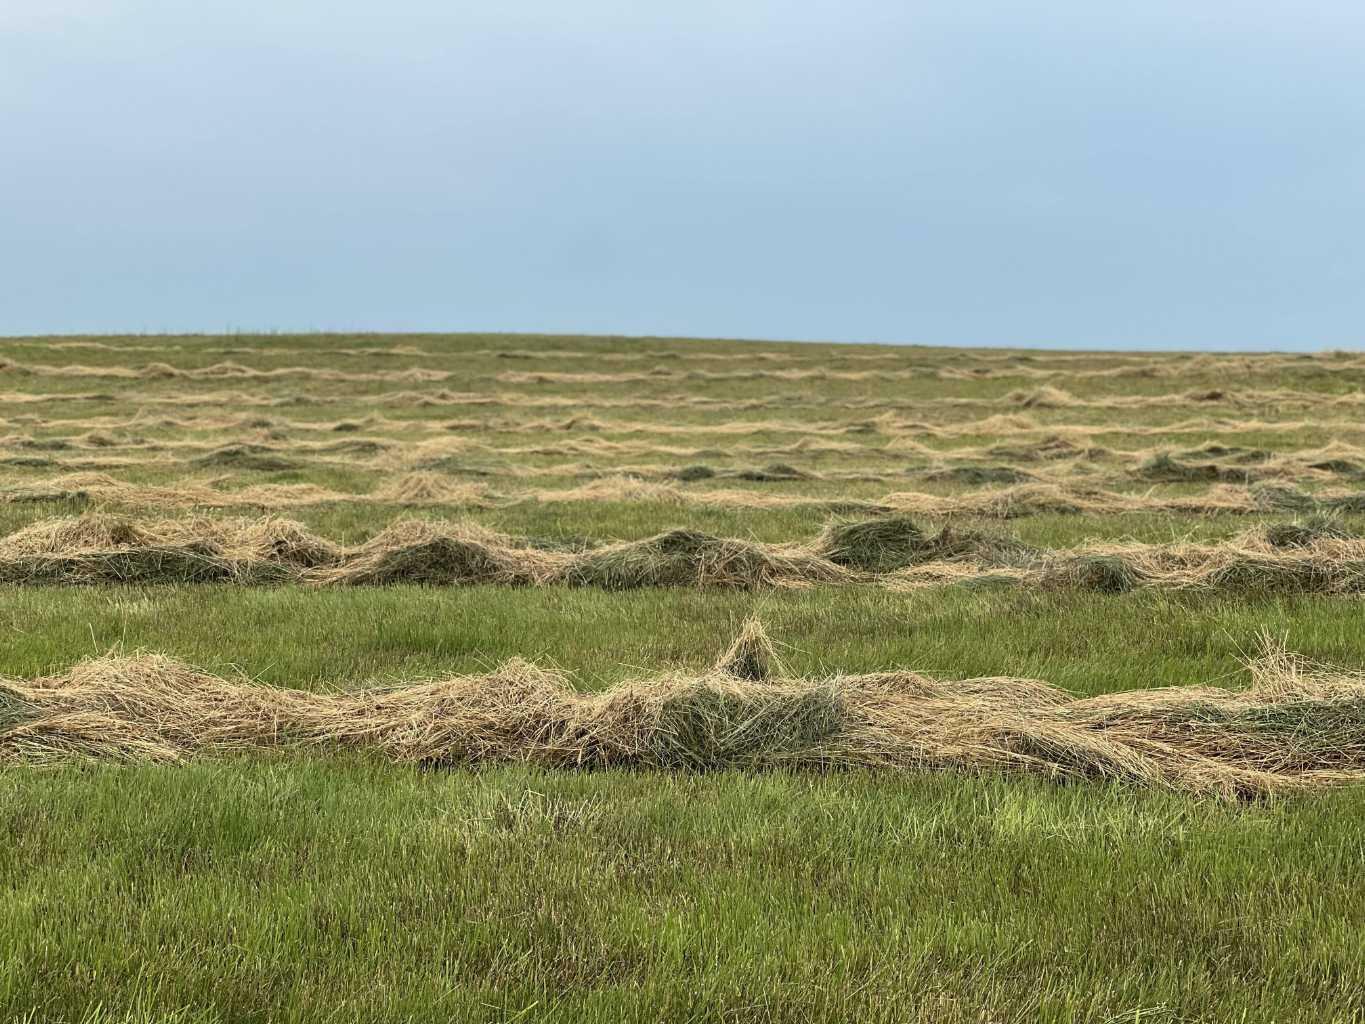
1171, 173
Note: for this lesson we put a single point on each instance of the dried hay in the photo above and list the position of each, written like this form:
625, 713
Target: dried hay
690, 558
750, 655
893, 550
1162, 468
417, 551
104, 548
977, 476
426, 488
1298, 727
887, 543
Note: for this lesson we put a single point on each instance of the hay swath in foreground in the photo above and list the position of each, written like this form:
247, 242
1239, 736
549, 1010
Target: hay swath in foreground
1297, 727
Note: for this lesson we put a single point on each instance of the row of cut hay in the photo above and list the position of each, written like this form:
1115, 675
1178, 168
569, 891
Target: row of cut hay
1316, 556
434, 398
1296, 728
1048, 397
270, 438
415, 489
459, 455
435, 489
1045, 396
274, 350
1058, 458
441, 397
415, 375
1065, 446
887, 543
886, 422
1028, 362
225, 371
1060, 440
105, 548
660, 374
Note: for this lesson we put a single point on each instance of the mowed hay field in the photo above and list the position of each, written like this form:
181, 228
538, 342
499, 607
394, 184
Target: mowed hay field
494, 677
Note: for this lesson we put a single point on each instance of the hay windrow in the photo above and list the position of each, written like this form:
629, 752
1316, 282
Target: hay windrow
430, 488
407, 467
416, 551
899, 552
1297, 727
886, 543
693, 558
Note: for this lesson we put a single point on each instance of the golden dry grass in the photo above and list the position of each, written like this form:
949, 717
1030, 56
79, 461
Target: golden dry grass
894, 551
1297, 727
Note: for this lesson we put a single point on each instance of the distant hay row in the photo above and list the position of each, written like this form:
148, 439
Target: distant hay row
896, 551
1045, 440
228, 370
933, 419
109, 442
1297, 728
437, 490
1054, 460
1040, 362
1028, 363
440, 397
223, 371
692, 353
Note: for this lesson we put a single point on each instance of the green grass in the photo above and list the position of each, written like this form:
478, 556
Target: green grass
294, 887
318, 638
278, 890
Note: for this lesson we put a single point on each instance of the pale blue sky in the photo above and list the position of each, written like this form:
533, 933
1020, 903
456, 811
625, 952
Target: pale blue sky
1157, 174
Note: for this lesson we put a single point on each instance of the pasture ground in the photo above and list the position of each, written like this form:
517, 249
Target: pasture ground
286, 885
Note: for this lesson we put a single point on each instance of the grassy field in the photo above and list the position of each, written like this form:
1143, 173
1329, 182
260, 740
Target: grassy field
289, 883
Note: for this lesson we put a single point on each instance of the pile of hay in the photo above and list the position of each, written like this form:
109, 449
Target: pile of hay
1162, 468
1049, 448
108, 548
887, 543
442, 554
690, 558
430, 489
1233, 453
687, 474
1297, 727
750, 655
976, 476
1106, 574
1287, 499
1307, 532
1045, 397
247, 455
772, 473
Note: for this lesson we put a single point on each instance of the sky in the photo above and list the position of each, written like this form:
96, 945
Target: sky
1161, 174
